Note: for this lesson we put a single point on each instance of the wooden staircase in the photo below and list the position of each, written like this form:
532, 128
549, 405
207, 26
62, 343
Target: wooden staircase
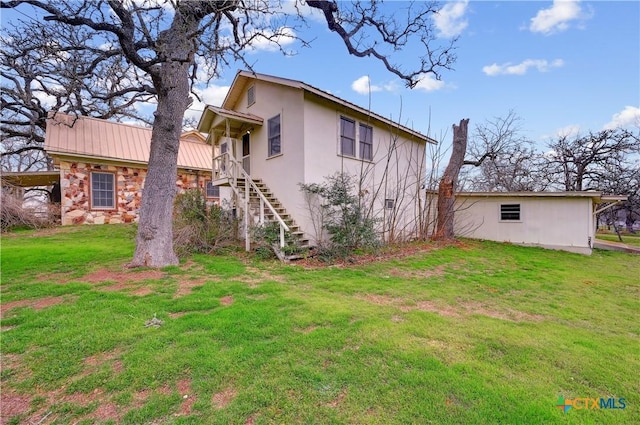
266, 215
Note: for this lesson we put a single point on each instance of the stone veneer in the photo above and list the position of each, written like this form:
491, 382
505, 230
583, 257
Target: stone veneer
75, 188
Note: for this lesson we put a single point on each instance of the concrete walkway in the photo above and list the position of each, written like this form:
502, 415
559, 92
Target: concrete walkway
615, 246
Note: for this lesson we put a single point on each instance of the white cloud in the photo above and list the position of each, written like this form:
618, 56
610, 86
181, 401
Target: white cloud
363, 85
572, 130
429, 83
541, 65
628, 117
271, 41
557, 17
450, 21
212, 95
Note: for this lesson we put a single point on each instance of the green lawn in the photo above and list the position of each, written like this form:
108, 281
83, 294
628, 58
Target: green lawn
627, 238
478, 333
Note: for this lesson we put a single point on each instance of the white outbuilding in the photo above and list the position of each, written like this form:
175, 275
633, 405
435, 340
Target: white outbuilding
553, 220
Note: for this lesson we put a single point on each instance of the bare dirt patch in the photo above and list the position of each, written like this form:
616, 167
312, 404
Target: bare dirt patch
139, 397
107, 412
418, 273
100, 358
228, 300
185, 287
308, 329
254, 276
176, 315
338, 400
430, 306
222, 399
458, 310
251, 419
13, 404
188, 399
104, 275
507, 314
36, 304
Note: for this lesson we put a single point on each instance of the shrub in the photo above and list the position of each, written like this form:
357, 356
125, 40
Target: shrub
199, 227
345, 216
267, 237
15, 216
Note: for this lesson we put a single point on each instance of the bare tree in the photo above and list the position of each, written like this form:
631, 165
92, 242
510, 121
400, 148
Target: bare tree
504, 160
45, 69
579, 162
504, 157
162, 40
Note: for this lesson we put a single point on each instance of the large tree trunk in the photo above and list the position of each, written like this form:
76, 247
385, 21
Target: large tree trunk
448, 183
154, 241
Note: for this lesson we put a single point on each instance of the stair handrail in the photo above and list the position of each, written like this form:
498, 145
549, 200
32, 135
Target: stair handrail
247, 178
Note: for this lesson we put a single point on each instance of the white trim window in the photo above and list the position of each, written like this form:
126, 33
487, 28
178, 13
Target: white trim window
366, 142
275, 131
103, 191
347, 137
509, 212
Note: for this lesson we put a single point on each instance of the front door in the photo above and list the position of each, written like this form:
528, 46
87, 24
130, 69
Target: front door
246, 150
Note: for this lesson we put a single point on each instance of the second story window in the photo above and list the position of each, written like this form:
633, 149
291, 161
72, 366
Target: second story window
347, 137
274, 127
366, 142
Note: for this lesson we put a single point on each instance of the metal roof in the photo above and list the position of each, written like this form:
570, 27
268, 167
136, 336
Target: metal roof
96, 139
598, 196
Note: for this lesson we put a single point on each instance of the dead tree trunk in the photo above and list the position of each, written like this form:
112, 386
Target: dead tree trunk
449, 182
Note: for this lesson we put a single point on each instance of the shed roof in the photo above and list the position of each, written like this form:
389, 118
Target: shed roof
86, 137
597, 196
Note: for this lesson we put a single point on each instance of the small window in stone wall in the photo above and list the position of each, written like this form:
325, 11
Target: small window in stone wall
103, 193
212, 191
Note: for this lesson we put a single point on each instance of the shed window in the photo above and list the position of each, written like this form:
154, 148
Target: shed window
212, 191
347, 136
103, 194
510, 212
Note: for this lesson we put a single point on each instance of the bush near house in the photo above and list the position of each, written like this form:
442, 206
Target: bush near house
201, 228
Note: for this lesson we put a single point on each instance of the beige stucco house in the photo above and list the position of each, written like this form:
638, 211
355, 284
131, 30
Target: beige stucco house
102, 166
554, 220
277, 133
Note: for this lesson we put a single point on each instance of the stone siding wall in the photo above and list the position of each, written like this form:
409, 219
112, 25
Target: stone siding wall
76, 192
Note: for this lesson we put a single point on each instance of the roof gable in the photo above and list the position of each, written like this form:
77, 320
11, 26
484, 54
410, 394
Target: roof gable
243, 79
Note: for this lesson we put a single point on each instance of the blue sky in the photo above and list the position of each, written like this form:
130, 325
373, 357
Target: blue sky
562, 66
